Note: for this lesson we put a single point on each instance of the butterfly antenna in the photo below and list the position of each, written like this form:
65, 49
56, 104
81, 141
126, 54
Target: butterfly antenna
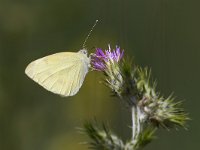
84, 44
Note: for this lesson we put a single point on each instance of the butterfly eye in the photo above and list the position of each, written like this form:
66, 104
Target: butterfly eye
83, 51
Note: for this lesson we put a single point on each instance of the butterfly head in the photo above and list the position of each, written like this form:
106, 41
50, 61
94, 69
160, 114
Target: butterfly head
83, 51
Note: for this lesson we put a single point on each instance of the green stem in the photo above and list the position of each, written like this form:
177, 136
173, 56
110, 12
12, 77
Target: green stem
135, 124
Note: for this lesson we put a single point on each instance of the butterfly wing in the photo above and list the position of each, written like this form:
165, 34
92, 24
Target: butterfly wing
61, 73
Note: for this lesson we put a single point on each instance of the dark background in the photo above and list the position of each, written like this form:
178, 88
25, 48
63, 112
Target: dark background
161, 34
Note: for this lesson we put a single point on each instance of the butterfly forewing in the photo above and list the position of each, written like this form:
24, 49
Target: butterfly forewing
61, 73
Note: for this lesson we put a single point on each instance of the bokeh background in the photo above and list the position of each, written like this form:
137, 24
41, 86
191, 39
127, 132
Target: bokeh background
161, 34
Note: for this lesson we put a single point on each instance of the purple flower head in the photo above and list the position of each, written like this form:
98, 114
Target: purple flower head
101, 58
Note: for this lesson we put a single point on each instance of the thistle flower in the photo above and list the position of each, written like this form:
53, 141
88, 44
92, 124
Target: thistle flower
133, 86
108, 61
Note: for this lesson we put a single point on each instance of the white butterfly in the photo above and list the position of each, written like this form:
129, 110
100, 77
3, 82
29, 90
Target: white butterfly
61, 73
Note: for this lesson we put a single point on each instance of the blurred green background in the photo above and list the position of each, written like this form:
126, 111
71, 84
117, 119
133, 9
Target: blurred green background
161, 34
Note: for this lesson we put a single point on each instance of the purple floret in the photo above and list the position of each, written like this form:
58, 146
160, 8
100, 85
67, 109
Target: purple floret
101, 58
